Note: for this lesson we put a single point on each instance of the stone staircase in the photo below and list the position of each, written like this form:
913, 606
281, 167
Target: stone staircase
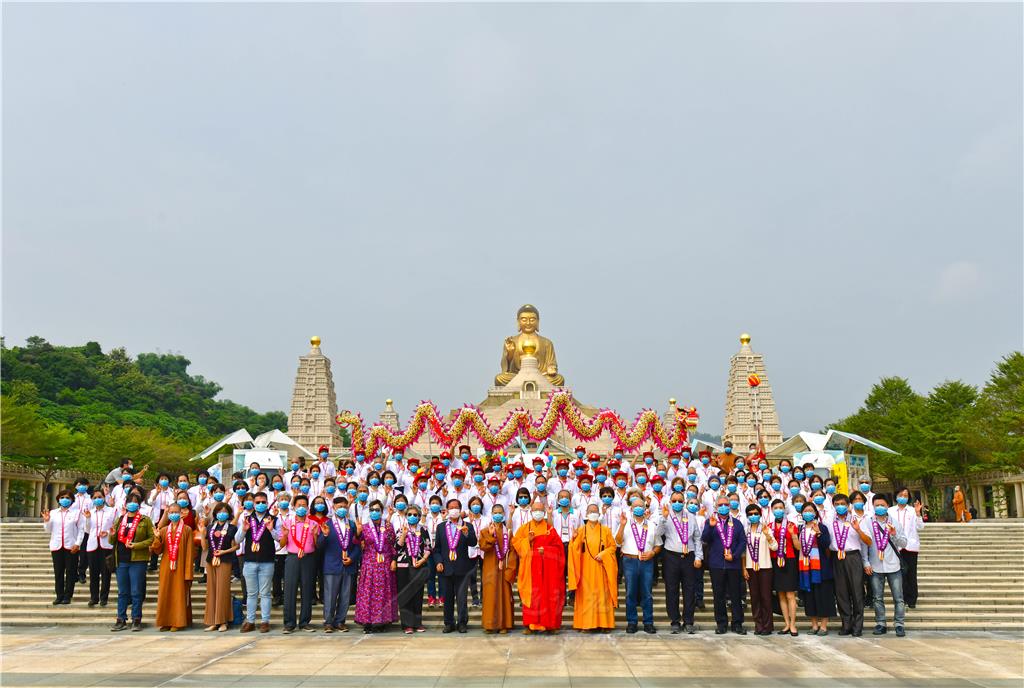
971, 578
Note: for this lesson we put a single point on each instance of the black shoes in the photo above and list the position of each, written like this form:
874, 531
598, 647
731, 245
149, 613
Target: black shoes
879, 630
739, 630
57, 602
720, 630
288, 630
92, 603
691, 629
676, 629
448, 629
631, 628
119, 625
900, 632
649, 628
701, 606
844, 631
137, 625
462, 629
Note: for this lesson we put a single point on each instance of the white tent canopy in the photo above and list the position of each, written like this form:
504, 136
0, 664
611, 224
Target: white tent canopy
816, 442
237, 438
275, 439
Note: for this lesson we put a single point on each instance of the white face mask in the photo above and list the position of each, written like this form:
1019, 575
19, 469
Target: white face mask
453, 515
593, 518
538, 515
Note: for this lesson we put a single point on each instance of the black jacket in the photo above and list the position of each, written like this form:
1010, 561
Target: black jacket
462, 564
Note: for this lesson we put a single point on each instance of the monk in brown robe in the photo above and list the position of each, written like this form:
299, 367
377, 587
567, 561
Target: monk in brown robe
593, 573
499, 570
176, 541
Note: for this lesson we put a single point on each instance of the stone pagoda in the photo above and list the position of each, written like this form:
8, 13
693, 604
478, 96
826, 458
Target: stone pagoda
314, 405
746, 407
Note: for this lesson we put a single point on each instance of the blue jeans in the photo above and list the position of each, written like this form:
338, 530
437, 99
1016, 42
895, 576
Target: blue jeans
896, 589
131, 587
337, 591
639, 579
259, 575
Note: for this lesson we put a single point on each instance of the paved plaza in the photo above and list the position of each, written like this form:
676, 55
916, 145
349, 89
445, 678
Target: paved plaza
58, 657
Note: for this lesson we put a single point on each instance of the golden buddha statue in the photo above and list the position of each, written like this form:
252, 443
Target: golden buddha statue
528, 343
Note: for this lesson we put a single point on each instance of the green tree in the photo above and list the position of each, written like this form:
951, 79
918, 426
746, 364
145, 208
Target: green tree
32, 441
999, 415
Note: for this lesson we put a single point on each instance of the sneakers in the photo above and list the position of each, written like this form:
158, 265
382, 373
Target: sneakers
900, 632
341, 629
676, 629
649, 628
879, 630
328, 628
431, 601
288, 630
136, 625
119, 625
631, 628
691, 629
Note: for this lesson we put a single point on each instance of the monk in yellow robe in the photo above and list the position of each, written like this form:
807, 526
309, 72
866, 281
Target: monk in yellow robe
593, 573
541, 578
499, 571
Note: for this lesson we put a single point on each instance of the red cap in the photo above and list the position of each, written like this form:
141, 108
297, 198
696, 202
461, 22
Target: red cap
494, 478
580, 465
600, 470
704, 452
648, 453
585, 476
656, 478
674, 454
458, 473
446, 455
594, 456
562, 462
473, 461
323, 448
640, 469
413, 459
580, 448
614, 463
437, 467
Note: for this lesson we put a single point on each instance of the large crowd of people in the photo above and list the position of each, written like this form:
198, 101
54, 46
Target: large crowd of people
379, 536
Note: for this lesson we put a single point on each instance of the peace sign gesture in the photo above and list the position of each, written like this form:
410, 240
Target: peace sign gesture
45, 513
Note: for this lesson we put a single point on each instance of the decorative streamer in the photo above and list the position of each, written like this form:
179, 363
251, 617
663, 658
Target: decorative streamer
560, 410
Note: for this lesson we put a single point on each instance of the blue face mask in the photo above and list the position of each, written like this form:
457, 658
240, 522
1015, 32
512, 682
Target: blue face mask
182, 485
374, 515
132, 507
523, 501
691, 495
881, 511
330, 489
301, 511
830, 489
241, 491
818, 499
82, 489
641, 479
315, 474
164, 482
475, 508
350, 471
222, 516
518, 473
766, 473
362, 496
798, 506
692, 508
739, 464
816, 485
390, 482
657, 487
261, 508
776, 486
731, 489
562, 472
795, 490
675, 462
638, 511
254, 472
620, 484
762, 466
778, 514
412, 519
295, 466
785, 469
247, 504
64, 502
585, 487
478, 477
435, 508
98, 501
754, 519
648, 460
763, 502
677, 487
601, 478
304, 489
705, 461
497, 518
351, 492
374, 482
401, 506
715, 484
203, 480
563, 502
493, 489
678, 506
282, 505
751, 482
798, 475
218, 496
607, 501
457, 482
126, 477
841, 509
902, 501
728, 450
865, 487
734, 504
692, 477
173, 518
542, 487
183, 503
723, 510
447, 463
808, 516
423, 484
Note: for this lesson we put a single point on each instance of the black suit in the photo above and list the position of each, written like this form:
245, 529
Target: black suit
455, 574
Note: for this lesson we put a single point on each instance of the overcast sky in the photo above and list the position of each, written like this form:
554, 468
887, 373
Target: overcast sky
842, 181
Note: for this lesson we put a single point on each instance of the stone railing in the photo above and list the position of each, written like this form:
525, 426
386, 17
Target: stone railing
995, 494
33, 495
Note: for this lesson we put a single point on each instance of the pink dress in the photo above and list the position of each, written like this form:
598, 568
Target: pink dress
376, 591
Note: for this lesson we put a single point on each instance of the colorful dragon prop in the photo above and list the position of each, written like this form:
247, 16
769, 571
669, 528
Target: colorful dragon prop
560, 409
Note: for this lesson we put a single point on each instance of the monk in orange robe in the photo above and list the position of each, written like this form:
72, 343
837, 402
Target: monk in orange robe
541, 578
593, 573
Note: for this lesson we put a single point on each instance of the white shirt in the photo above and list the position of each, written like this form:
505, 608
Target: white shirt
910, 523
98, 522
629, 543
837, 524
565, 524
64, 527
692, 527
889, 562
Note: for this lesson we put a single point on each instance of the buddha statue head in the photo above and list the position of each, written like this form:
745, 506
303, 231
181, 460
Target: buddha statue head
529, 319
